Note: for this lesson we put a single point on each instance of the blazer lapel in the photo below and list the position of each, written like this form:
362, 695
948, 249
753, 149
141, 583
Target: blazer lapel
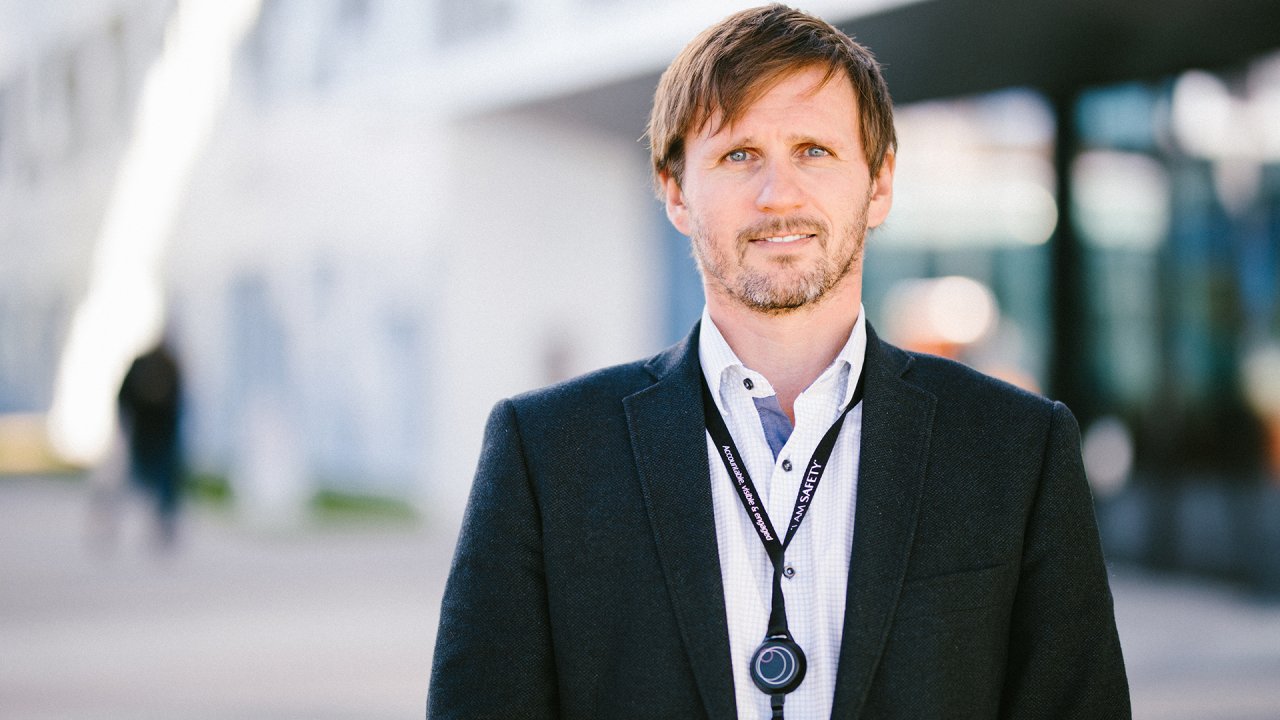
897, 420
668, 439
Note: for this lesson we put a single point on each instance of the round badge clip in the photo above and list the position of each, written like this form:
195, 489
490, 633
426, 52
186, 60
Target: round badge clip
778, 665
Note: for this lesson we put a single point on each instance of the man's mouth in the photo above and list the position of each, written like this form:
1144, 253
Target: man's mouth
785, 238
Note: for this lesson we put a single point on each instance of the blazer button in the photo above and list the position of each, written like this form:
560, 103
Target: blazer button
789, 572
786, 465
746, 383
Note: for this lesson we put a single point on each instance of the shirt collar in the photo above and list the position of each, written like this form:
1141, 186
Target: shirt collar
719, 361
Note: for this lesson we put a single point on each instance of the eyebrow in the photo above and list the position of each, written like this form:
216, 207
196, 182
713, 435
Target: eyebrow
750, 141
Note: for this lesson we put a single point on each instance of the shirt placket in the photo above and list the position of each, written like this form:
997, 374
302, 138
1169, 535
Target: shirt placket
739, 387
814, 417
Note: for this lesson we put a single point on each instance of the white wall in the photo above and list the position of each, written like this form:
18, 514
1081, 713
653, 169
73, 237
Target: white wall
552, 261
331, 209
518, 249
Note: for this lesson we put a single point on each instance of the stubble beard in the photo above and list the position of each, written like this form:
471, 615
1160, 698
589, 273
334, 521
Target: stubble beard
782, 288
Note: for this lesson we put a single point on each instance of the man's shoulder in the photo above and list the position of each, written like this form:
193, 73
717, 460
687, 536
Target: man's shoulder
957, 385
607, 385
974, 414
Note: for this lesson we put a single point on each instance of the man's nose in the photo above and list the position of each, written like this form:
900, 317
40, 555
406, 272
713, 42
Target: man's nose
780, 187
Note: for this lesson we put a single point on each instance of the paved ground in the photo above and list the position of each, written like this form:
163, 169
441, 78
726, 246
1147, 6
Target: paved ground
237, 624
1198, 651
339, 623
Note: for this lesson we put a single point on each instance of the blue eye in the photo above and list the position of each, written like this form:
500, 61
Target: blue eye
815, 151
737, 156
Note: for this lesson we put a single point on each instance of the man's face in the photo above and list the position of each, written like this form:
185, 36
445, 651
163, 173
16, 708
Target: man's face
778, 204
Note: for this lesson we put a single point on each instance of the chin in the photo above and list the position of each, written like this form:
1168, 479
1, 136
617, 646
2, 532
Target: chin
778, 301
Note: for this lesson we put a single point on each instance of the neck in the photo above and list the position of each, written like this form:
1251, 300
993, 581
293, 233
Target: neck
790, 349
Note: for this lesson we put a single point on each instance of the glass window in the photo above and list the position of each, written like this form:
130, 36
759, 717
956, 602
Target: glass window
973, 200
1177, 205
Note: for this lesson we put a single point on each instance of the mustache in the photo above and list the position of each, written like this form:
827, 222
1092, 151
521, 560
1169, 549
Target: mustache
773, 227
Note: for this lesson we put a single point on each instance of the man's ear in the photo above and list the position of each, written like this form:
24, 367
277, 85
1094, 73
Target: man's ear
677, 211
881, 191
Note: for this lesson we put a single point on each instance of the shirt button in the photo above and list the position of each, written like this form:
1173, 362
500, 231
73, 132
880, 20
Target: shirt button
789, 572
786, 465
746, 383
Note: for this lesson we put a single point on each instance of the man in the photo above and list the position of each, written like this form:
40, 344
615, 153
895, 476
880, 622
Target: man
783, 513
150, 406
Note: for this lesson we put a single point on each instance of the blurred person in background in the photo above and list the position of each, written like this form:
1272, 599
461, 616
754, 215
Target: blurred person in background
150, 406
783, 513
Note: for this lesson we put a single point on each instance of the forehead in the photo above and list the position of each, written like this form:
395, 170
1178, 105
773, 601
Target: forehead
807, 99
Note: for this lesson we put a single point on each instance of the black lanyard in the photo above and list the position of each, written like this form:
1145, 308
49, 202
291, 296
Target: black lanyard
778, 665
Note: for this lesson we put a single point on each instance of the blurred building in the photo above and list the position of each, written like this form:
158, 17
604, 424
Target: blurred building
407, 211
70, 77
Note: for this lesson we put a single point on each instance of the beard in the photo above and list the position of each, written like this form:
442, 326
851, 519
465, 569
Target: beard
784, 285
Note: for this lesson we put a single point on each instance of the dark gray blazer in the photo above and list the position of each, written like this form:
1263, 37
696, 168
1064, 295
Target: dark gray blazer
586, 581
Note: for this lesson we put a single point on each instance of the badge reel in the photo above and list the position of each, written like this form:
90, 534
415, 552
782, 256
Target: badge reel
778, 665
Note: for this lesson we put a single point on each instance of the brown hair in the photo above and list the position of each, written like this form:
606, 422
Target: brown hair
732, 63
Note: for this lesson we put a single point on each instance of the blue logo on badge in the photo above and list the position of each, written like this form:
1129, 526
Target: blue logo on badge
776, 665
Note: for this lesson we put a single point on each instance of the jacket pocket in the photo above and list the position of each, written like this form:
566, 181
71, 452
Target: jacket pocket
939, 595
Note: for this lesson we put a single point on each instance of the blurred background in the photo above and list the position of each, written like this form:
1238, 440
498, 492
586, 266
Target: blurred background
351, 226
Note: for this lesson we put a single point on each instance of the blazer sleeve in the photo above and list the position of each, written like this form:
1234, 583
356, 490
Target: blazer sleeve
1064, 653
493, 655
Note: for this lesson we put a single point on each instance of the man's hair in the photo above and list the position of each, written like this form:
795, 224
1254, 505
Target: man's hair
731, 64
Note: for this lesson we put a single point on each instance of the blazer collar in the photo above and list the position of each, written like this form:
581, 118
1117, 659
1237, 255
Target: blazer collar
667, 435
897, 420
